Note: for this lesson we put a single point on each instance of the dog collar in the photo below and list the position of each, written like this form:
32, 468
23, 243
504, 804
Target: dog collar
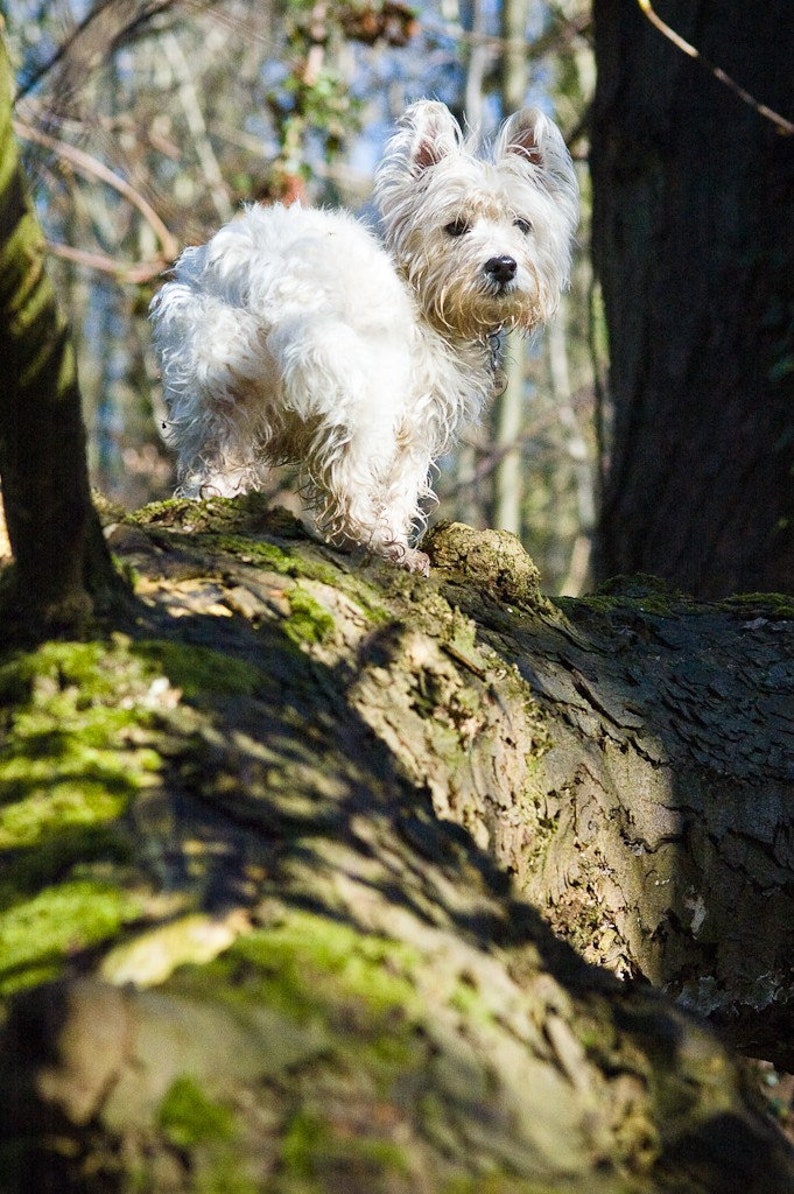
493, 344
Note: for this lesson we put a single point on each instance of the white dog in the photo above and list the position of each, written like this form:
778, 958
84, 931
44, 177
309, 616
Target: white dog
294, 336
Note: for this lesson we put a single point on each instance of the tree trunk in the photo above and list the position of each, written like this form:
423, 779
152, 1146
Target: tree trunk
252, 924
693, 244
61, 562
507, 419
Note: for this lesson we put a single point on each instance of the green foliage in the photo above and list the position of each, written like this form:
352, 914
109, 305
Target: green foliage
315, 97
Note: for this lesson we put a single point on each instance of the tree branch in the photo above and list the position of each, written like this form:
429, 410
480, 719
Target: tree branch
280, 948
88, 165
784, 126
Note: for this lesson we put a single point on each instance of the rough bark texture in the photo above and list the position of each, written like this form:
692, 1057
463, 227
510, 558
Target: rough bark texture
62, 564
253, 933
671, 767
694, 247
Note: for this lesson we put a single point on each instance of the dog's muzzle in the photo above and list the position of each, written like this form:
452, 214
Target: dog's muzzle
501, 270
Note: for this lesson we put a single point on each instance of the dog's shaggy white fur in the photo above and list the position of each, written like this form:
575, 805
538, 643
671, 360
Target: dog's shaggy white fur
294, 336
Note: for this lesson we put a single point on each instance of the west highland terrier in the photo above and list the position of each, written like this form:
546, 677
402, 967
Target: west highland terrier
294, 336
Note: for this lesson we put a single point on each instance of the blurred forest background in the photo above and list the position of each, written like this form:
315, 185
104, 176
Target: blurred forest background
144, 125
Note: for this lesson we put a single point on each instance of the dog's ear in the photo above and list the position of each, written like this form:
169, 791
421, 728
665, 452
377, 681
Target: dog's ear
433, 134
526, 134
532, 144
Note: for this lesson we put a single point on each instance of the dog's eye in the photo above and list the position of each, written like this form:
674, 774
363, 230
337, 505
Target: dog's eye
523, 225
457, 228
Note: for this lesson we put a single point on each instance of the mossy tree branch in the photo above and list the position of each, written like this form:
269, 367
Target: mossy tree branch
253, 927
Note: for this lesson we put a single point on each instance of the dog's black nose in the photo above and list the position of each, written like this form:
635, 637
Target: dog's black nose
501, 269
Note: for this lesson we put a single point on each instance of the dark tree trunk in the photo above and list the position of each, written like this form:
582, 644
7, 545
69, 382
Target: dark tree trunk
693, 241
61, 562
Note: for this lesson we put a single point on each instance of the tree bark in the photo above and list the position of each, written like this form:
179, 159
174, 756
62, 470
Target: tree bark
265, 921
658, 834
62, 565
693, 244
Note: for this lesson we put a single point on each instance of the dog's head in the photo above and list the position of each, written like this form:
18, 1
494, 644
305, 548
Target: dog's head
484, 244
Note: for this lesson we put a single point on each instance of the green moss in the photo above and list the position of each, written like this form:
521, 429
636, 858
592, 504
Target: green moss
494, 561
66, 666
573, 608
36, 934
199, 671
169, 512
66, 688
264, 555
235, 527
65, 752
311, 1150
247, 529
306, 1135
330, 988
501, 1184
774, 606
321, 1000
466, 999
70, 712
250, 511
60, 853
187, 1117
638, 593
70, 757
205, 1130
255, 551
73, 751
29, 820
309, 962
308, 621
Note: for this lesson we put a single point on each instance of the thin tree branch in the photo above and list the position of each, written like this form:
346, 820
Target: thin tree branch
86, 164
552, 41
126, 26
784, 126
134, 272
194, 116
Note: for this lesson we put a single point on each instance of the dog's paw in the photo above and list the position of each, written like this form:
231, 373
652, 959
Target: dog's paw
415, 561
397, 551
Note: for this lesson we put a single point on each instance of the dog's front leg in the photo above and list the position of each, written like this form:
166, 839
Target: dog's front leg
370, 494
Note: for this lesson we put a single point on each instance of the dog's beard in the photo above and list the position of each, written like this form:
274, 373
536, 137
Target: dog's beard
475, 309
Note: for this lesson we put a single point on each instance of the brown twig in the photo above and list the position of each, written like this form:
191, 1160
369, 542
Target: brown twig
134, 272
785, 127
